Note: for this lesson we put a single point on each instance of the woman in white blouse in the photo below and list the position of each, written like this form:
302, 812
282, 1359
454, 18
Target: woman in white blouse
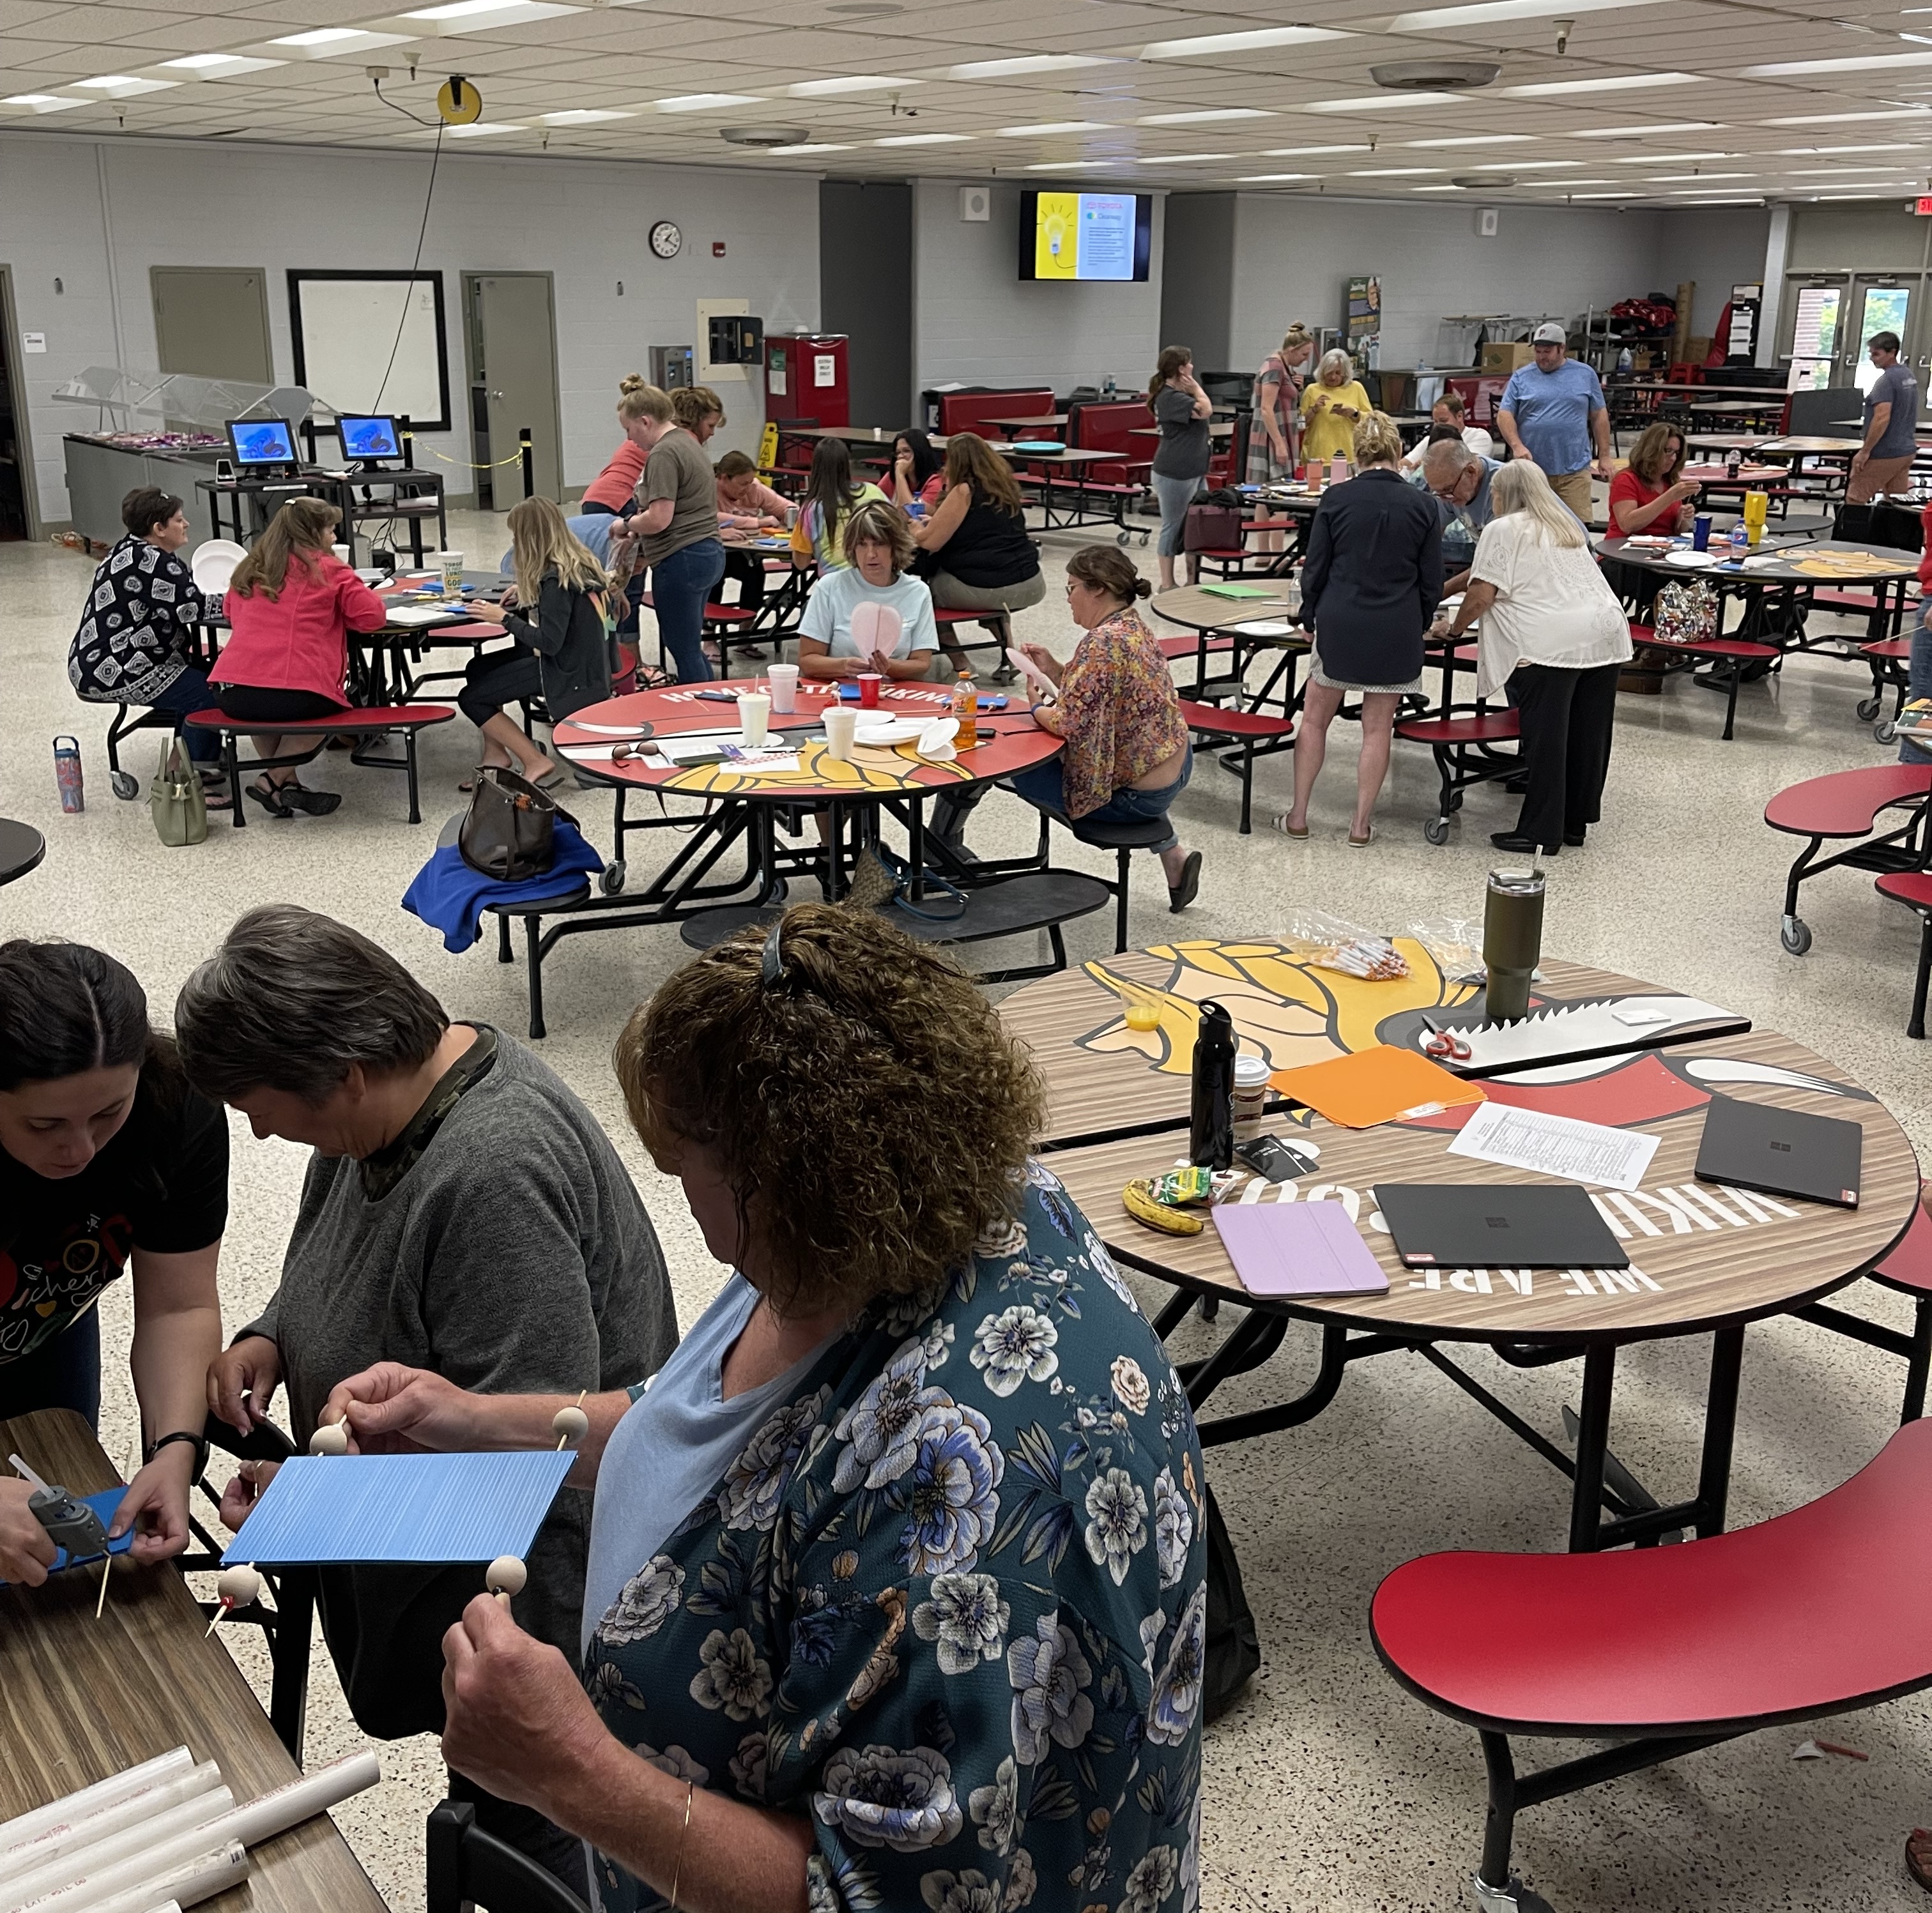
1553, 632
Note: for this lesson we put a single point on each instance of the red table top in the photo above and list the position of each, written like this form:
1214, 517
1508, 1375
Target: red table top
1009, 741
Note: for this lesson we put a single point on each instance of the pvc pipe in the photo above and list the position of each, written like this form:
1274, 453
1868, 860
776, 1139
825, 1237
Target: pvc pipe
66, 1837
143, 1836
71, 1807
140, 1870
300, 1800
189, 1882
166, 1906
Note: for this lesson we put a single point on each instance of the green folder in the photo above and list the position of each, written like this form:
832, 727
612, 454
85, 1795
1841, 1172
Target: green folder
1236, 591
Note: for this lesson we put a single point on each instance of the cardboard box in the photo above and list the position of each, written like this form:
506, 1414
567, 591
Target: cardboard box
1497, 358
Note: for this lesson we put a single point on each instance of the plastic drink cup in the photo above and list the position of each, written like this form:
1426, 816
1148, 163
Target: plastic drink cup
840, 723
1700, 531
341, 552
1141, 1015
451, 562
755, 712
784, 688
869, 690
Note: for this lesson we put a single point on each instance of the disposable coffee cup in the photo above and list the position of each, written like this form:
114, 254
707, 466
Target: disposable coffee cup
869, 690
341, 552
451, 562
1250, 1098
784, 688
754, 711
839, 725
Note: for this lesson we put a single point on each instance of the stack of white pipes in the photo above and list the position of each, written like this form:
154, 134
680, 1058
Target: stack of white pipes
164, 1834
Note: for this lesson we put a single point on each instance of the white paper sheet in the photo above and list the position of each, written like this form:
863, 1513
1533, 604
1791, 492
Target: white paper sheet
1555, 1146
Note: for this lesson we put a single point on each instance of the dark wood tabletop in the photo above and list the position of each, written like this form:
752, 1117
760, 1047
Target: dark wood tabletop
81, 1699
1707, 1256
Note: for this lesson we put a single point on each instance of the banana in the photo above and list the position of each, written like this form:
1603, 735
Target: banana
1137, 1199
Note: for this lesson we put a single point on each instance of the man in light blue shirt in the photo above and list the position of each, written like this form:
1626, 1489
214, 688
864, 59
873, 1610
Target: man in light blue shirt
1552, 412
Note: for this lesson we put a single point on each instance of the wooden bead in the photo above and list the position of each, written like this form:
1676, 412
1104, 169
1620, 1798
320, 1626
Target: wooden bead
506, 1576
238, 1586
332, 1439
570, 1424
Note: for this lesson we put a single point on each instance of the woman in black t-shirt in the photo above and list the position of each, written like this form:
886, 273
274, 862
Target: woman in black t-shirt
106, 1155
978, 556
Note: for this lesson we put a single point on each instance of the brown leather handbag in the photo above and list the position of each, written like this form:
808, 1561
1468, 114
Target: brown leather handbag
510, 830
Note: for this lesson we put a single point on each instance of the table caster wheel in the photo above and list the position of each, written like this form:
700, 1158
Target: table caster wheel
1436, 830
1121, 537
612, 881
1885, 731
125, 785
1867, 709
1795, 935
1514, 1898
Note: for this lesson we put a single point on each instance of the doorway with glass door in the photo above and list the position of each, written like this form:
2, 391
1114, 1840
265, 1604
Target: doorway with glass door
509, 326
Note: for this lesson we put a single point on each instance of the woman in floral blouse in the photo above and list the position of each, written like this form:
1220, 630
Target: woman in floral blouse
1127, 756
897, 1596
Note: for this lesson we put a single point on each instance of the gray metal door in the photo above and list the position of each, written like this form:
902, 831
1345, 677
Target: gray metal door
516, 331
212, 321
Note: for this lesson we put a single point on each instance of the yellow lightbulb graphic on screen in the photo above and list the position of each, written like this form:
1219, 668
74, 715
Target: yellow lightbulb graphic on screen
1056, 250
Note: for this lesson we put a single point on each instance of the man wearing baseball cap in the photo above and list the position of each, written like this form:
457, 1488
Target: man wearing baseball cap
1552, 412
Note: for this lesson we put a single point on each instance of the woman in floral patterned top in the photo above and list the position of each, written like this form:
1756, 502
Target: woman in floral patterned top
1127, 756
932, 1632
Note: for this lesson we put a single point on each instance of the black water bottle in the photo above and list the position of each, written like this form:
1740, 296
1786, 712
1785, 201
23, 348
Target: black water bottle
1211, 1134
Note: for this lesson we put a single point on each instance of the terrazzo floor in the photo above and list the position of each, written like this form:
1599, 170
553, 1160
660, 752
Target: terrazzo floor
1329, 1790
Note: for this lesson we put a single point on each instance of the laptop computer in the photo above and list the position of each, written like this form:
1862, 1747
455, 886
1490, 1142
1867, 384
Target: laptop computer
1498, 1225
1781, 1151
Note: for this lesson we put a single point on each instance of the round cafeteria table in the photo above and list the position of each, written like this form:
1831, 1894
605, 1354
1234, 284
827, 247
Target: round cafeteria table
1705, 1259
22, 847
748, 802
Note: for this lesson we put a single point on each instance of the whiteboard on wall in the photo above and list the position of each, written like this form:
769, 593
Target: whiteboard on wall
373, 342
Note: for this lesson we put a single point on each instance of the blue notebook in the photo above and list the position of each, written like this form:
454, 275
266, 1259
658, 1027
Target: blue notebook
340, 1510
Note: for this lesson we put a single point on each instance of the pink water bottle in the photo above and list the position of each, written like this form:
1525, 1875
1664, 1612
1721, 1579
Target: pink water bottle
67, 775
1338, 468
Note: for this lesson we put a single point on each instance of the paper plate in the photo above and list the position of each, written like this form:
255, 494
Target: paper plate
213, 563
1038, 444
1691, 561
889, 730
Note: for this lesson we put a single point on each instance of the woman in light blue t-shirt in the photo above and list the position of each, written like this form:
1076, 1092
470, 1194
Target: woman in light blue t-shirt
879, 545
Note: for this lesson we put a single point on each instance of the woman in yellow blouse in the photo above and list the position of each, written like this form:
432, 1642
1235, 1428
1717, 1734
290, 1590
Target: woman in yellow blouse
1331, 408
1126, 758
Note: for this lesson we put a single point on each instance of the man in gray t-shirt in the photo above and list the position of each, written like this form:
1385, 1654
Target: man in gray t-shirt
1884, 460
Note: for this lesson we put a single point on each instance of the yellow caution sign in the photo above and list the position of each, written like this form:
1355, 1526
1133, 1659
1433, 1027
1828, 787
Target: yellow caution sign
458, 101
768, 446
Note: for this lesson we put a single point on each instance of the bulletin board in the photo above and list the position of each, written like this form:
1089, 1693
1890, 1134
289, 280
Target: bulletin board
344, 326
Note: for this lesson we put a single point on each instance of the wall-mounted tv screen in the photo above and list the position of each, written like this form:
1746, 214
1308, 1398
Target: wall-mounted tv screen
1105, 236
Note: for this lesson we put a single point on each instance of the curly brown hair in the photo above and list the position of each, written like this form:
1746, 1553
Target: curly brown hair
855, 1086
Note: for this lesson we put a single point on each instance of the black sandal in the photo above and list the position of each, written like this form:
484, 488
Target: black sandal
315, 803
271, 800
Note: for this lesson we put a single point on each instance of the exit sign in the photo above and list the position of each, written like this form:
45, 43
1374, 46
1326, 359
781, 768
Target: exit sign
1922, 205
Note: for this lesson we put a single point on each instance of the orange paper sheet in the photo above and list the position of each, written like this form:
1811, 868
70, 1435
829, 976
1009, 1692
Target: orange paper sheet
1379, 1085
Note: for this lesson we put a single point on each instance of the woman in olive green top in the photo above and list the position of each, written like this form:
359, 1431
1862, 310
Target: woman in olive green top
674, 519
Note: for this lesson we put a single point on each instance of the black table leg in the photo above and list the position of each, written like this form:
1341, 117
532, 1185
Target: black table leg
1593, 1434
1720, 1422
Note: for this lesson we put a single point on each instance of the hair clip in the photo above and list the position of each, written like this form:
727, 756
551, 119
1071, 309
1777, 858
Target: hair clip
771, 969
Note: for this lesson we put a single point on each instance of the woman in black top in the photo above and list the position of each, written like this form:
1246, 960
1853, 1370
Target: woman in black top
1182, 410
978, 556
562, 656
106, 1156
1371, 584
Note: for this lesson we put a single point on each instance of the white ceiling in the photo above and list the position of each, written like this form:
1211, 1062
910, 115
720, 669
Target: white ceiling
1145, 109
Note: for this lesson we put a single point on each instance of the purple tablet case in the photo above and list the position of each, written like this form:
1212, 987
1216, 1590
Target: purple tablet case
1297, 1248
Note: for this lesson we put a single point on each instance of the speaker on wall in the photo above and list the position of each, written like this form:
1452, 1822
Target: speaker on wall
976, 202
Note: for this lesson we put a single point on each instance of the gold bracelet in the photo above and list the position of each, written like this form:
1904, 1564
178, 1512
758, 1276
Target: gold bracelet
677, 1871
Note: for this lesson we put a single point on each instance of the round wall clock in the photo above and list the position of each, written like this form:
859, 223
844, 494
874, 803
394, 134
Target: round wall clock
666, 239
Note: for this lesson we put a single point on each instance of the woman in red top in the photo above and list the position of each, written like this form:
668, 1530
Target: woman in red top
291, 606
1648, 495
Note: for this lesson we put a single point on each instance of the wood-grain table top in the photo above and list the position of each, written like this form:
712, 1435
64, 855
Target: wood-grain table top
81, 1699
1887, 564
1706, 1257
1202, 609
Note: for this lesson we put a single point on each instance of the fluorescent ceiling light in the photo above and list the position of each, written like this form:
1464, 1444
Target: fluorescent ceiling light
1310, 152
1605, 196
1665, 159
1858, 63
812, 146
1479, 139
1027, 63
1393, 171
703, 102
922, 139
1068, 166
1640, 132
1615, 83
218, 66
43, 103
1437, 189
583, 116
1517, 165
1273, 178
480, 16
858, 82
1054, 126
1200, 118
1238, 43
124, 86
1672, 179
1180, 159
1820, 171
1486, 11
480, 129
1378, 103
1753, 200
325, 40
1802, 152
1841, 119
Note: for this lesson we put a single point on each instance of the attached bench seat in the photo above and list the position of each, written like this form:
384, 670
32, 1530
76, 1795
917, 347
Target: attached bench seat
1729, 655
1668, 1650
1212, 727
403, 721
1464, 748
